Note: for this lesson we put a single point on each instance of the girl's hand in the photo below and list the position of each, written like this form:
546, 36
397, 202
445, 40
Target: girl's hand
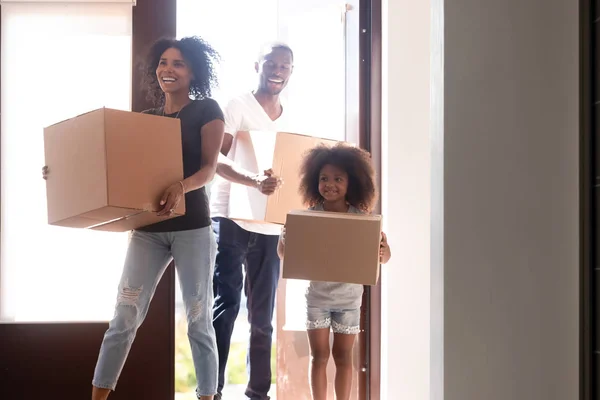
171, 198
281, 244
384, 249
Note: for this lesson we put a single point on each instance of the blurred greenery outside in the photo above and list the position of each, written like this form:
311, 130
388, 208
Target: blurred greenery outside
185, 376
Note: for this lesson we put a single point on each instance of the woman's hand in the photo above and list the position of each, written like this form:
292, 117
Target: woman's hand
45, 171
384, 249
171, 198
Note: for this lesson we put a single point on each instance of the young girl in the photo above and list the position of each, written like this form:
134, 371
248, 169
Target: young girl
335, 179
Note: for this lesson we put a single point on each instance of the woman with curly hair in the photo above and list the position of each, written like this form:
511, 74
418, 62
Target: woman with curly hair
335, 179
176, 72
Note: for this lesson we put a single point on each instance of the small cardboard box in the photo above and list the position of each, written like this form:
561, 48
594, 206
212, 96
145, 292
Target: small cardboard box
108, 169
258, 151
332, 247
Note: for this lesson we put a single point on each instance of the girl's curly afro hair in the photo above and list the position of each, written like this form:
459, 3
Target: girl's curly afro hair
200, 57
362, 189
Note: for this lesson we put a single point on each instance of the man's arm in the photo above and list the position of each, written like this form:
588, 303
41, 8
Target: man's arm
236, 174
229, 170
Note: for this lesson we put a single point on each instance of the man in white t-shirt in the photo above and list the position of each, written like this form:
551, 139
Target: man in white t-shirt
242, 243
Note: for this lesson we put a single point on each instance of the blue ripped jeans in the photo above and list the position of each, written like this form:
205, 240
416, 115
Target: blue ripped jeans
148, 255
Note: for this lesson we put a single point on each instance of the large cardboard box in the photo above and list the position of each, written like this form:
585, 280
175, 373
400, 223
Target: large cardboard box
332, 247
108, 169
258, 151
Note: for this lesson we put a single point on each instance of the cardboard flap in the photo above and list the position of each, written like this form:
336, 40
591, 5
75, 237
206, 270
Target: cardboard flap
336, 215
114, 219
133, 221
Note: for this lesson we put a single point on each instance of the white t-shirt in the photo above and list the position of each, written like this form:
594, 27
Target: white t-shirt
244, 113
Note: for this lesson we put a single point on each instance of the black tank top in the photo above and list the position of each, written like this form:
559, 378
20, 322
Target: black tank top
193, 117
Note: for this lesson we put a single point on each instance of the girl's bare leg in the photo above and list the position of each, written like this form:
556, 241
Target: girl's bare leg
319, 356
342, 355
100, 394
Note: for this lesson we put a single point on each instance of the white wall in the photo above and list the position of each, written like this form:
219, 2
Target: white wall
406, 199
510, 183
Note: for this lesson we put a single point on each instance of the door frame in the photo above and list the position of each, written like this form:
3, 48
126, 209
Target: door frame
588, 210
370, 117
58, 359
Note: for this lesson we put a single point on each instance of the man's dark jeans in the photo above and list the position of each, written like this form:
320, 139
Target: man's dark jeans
238, 248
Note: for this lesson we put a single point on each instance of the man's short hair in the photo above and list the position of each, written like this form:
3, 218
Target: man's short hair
269, 47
